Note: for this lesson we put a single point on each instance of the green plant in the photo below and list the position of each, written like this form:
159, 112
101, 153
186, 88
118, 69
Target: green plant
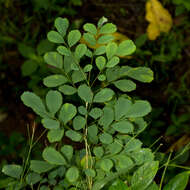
89, 103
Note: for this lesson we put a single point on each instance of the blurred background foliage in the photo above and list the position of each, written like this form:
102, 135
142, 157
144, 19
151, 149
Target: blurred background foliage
23, 29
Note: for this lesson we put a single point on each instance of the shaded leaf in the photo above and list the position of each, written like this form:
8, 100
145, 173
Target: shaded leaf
80, 50
12, 170
87, 68
90, 39
78, 76
179, 182
73, 135
54, 80
39, 166
100, 62
104, 95
72, 174
96, 113
98, 151
73, 37
139, 109
108, 28
105, 39
111, 49
125, 48
123, 126
53, 100
61, 25
55, 135
79, 122
91, 28
144, 175
67, 89
142, 74
122, 106
67, 112
106, 165
67, 151
55, 37
33, 178
106, 138
54, 59
125, 85
33, 101
113, 62
50, 123
85, 93
92, 134
107, 117
63, 51
53, 156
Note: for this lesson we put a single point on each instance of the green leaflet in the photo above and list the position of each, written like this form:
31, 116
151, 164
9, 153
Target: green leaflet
61, 25
12, 170
53, 101
55, 37
104, 95
85, 93
39, 166
33, 101
54, 80
67, 112
53, 156
72, 174
179, 182
73, 37
54, 59
143, 177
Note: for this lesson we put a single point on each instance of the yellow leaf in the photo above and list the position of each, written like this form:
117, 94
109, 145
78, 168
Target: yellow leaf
159, 18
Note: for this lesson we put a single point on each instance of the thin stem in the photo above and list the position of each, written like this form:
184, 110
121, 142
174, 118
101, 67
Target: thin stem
178, 166
155, 141
29, 152
76, 62
164, 172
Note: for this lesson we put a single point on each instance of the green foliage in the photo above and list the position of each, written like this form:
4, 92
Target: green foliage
179, 182
90, 112
185, 3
